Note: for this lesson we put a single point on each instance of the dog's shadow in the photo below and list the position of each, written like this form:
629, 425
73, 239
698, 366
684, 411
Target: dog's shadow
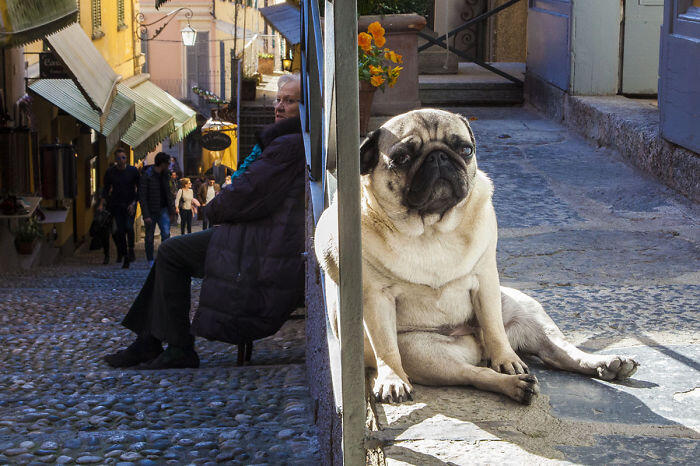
458, 425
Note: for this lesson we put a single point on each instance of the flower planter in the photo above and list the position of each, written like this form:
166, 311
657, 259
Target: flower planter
401, 36
367, 92
266, 65
248, 89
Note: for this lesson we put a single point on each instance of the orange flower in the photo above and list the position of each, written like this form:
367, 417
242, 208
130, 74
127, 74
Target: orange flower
380, 41
394, 75
377, 81
376, 30
375, 69
364, 40
397, 58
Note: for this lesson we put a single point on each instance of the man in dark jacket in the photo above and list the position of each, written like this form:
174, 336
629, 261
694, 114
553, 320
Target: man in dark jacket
157, 203
120, 194
251, 261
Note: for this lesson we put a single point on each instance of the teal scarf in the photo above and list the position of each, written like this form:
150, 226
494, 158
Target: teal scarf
254, 154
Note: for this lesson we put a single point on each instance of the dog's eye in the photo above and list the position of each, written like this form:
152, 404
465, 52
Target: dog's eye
467, 151
401, 158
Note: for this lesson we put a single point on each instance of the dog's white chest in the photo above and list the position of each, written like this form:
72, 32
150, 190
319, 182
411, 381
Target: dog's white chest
423, 307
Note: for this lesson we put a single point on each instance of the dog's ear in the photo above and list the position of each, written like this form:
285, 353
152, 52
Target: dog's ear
369, 152
469, 128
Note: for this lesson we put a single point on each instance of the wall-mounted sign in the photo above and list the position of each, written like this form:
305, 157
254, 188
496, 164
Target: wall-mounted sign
50, 67
215, 140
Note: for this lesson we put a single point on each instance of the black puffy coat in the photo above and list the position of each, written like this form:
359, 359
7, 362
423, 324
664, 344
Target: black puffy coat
151, 186
254, 267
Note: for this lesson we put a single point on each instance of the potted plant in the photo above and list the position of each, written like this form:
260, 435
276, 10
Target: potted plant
248, 84
25, 236
266, 63
401, 25
376, 68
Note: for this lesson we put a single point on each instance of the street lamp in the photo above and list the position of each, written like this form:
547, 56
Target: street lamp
189, 34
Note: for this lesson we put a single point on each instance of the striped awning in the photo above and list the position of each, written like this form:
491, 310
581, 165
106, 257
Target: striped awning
185, 118
153, 123
64, 94
93, 75
24, 21
284, 18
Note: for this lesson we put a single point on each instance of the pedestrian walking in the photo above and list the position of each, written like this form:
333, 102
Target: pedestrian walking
156, 201
119, 197
251, 262
184, 205
206, 194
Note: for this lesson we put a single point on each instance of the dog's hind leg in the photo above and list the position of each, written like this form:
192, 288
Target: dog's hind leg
435, 359
531, 330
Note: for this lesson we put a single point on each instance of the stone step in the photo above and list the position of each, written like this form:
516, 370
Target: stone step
243, 444
83, 350
472, 85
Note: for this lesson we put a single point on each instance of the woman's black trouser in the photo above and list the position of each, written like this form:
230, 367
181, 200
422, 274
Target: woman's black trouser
185, 220
162, 308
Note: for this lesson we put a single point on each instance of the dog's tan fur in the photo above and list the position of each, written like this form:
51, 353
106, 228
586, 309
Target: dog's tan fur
433, 306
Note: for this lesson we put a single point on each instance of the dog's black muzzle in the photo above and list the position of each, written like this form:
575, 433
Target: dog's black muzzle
438, 184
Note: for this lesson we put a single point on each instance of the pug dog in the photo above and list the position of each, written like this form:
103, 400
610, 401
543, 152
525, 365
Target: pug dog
434, 310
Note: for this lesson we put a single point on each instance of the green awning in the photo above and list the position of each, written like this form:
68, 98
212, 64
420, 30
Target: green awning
24, 21
153, 123
185, 118
64, 94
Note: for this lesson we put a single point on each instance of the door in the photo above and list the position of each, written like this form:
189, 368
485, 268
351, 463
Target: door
679, 68
640, 55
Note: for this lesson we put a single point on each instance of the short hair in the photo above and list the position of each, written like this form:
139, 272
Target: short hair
287, 78
120, 149
161, 157
184, 181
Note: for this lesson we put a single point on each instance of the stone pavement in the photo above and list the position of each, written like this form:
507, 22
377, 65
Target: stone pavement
60, 403
614, 257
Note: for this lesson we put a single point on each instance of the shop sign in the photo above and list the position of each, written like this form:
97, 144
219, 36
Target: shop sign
50, 67
215, 140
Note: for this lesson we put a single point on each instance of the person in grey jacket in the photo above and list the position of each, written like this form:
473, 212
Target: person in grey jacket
156, 201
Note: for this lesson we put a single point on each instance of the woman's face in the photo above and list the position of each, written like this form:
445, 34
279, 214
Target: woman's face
188, 185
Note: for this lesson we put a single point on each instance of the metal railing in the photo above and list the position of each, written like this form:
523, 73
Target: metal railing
440, 41
329, 82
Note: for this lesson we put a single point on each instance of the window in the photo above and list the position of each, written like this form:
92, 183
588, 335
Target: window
121, 25
97, 19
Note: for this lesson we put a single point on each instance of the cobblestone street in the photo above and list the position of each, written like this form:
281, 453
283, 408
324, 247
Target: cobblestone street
59, 402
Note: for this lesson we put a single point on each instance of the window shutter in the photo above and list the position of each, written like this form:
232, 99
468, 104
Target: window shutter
120, 15
97, 19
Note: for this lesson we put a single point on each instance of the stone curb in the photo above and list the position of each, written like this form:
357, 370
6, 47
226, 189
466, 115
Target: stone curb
629, 125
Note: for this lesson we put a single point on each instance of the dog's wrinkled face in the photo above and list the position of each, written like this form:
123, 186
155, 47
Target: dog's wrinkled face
423, 161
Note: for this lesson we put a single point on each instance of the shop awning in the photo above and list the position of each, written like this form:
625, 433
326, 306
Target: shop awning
153, 123
284, 18
185, 118
24, 21
64, 94
93, 75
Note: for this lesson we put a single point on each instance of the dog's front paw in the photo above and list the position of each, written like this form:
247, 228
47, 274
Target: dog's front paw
616, 367
522, 388
507, 362
389, 387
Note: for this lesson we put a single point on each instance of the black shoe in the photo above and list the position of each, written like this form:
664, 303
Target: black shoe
142, 350
106, 260
132, 255
173, 357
